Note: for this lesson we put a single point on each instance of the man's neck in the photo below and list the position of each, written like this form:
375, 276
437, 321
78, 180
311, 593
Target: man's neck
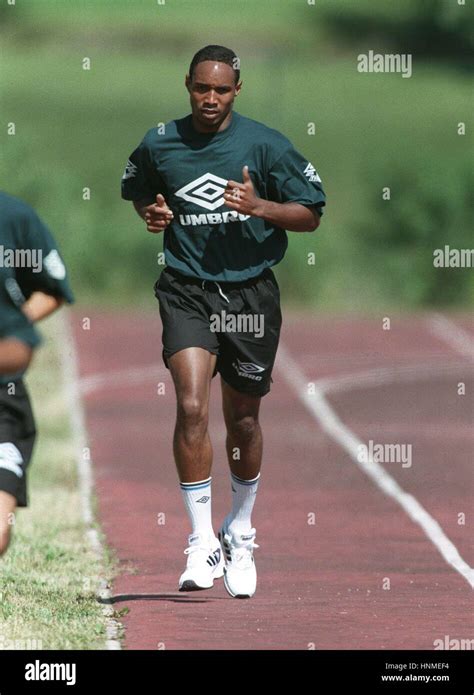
208, 130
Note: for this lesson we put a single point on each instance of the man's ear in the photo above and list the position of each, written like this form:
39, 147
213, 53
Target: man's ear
238, 87
187, 82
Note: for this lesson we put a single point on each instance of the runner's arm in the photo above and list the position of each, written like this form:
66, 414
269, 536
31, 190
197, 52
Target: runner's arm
157, 215
293, 217
141, 206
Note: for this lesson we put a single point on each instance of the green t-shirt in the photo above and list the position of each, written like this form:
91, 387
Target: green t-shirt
29, 262
191, 169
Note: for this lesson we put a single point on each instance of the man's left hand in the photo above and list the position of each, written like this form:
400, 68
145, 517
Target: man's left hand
242, 196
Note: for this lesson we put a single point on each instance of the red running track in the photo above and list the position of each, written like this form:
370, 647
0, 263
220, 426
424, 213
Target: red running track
364, 575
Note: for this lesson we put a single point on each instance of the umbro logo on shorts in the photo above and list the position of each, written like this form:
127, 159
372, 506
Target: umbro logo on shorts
249, 370
250, 367
311, 173
203, 500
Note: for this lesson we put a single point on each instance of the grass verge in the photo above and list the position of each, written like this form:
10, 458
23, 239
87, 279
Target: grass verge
49, 576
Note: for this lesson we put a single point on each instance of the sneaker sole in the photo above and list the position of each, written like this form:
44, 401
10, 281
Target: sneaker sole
235, 595
190, 585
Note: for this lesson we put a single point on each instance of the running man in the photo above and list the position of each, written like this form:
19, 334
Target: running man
33, 284
223, 188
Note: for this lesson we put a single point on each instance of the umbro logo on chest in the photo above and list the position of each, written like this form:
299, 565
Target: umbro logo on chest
207, 192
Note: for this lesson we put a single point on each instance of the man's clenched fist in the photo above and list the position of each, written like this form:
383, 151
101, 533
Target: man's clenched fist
157, 215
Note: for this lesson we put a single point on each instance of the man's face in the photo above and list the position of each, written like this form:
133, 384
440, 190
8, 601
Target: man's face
212, 91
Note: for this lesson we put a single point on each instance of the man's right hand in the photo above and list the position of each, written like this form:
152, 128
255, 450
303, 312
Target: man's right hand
157, 215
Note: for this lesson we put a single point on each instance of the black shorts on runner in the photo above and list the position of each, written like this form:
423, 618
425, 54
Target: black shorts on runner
237, 321
17, 437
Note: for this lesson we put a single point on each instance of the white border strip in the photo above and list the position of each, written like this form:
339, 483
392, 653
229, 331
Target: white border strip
70, 373
320, 409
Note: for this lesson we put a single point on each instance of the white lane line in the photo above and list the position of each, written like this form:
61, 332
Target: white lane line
318, 406
118, 378
451, 334
386, 375
70, 372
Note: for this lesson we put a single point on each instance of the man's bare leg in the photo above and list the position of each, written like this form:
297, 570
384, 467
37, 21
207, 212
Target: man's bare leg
192, 371
244, 444
7, 509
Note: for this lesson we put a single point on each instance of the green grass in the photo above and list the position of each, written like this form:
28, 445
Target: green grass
76, 128
49, 576
209, 21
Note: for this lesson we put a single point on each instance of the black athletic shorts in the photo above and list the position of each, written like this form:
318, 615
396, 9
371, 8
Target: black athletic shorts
237, 321
17, 437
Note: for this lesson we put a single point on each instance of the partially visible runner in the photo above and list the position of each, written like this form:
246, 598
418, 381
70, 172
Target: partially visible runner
33, 284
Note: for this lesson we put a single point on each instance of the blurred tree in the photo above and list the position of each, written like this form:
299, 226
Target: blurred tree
425, 213
427, 28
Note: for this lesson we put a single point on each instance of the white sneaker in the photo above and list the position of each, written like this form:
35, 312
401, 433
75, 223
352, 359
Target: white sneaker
205, 563
240, 573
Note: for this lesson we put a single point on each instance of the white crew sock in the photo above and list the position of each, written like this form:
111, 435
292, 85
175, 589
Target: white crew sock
243, 498
197, 499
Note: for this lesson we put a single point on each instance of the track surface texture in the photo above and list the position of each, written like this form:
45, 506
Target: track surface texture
352, 555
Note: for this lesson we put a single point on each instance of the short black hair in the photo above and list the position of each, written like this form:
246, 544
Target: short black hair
220, 54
